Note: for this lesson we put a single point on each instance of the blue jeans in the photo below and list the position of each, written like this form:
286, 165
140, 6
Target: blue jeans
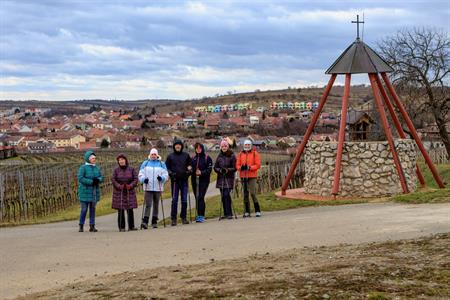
84, 209
179, 187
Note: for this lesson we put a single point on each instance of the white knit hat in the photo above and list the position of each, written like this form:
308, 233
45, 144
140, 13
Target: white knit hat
153, 151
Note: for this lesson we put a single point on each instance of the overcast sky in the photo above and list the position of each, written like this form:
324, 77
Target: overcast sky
86, 49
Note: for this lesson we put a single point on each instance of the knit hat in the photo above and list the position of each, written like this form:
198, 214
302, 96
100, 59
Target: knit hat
246, 142
153, 151
223, 143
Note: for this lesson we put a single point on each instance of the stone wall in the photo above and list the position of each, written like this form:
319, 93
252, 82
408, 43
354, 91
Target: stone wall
367, 168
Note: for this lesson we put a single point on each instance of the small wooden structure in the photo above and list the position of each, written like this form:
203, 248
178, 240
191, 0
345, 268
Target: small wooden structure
359, 125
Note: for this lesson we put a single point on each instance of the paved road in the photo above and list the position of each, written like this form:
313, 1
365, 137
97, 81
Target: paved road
40, 257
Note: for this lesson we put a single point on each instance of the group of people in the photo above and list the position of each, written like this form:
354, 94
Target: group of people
178, 168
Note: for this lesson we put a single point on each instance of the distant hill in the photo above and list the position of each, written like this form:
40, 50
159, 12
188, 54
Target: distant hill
359, 96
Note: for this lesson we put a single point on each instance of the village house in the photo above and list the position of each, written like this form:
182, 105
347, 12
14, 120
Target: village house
66, 139
40, 147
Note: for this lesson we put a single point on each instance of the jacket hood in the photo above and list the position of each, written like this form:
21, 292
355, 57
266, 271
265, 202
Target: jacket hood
178, 142
87, 154
202, 147
252, 149
121, 155
228, 153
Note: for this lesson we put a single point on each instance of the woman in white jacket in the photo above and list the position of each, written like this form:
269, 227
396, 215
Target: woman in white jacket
153, 174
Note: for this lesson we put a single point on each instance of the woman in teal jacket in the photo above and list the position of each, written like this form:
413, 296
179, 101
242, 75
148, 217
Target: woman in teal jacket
89, 179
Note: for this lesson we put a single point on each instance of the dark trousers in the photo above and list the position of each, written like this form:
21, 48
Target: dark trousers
121, 218
226, 201
179, 188
83, 213
200, 195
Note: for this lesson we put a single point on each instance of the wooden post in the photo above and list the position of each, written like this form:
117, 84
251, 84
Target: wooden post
387, 130
2, 196
341, 138
308, 133
397, 124
413, 131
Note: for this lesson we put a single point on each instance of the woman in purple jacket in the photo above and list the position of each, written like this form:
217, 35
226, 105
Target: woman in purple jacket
225, 167
124, 180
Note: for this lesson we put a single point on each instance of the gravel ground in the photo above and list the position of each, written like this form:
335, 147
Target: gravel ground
406, 269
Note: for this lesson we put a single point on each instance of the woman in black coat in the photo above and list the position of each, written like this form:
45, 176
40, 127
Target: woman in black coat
225, 167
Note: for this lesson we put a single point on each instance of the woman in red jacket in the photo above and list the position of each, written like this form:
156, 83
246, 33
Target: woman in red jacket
248, 163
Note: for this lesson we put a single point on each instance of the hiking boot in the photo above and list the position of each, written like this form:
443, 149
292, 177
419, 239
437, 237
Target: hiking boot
258, 214
174, 222
184, 221
247, 215
144, 226
230, 217
154, 225
122, 230
81, 229
132, 229
92, 228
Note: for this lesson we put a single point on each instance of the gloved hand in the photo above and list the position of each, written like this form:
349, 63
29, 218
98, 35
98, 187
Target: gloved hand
245, 168
224, 170
95, 181
146, 180
159, 178
128, 186
123, 186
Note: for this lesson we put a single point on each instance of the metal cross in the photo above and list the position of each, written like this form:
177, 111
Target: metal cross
357, 26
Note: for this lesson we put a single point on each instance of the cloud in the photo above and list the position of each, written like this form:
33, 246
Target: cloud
183, 49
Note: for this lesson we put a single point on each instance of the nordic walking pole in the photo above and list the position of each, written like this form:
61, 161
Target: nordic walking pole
162, 204
121, 212
197, 188
231, 199
173, 194
189, 201
143, 204
221, 196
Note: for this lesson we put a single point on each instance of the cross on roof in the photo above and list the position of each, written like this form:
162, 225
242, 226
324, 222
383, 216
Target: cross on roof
357, 26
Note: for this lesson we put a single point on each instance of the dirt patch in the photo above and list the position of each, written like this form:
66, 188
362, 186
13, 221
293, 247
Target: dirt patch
407, 269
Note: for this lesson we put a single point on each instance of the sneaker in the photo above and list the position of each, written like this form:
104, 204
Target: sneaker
258, 214
122, 230
247, 215
202, 219
154, 225
230, 217
184, 221
81, 228
197, 219
174, 222
132, 229
144, 226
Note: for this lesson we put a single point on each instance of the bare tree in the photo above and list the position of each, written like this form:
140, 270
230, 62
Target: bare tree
421, 61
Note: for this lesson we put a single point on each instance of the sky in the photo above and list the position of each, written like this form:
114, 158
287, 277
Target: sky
136, 49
